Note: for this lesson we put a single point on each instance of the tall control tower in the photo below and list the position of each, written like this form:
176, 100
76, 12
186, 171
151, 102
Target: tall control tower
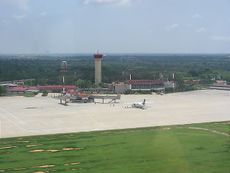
97, 59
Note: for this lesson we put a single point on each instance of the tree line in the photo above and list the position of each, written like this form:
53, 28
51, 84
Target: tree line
46, 69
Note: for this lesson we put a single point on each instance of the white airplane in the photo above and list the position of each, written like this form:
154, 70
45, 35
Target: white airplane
140, 105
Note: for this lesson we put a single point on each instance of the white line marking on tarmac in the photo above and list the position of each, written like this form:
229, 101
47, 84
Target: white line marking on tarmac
12, 118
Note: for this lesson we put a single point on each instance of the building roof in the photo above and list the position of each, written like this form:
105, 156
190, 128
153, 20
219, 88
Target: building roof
17, 89
46, 87
56, 87
146, 82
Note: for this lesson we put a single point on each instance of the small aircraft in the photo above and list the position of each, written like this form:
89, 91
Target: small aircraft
140, 105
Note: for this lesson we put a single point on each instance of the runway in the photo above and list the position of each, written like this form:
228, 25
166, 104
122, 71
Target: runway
22, 116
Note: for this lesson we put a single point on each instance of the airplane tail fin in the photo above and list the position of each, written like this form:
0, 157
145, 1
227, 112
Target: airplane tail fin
144, 102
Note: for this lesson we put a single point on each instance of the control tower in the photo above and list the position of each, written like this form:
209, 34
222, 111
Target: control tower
97, 59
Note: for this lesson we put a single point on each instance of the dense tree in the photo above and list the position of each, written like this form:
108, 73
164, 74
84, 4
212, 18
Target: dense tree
2, 90
84, 83
46, 69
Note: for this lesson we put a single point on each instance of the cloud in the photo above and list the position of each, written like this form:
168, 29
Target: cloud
197, 16
107, 2
20, 4
172, 27
43, 13
19, 17
202, 29
4, 21
220, 38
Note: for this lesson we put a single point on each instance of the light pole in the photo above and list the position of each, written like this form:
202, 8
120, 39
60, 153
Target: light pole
63, 71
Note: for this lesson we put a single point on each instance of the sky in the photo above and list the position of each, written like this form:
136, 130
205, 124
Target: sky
114, 26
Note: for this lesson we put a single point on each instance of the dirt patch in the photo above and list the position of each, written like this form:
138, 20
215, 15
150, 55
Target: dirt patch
2, 170
71, 149
44, 166
8, 147
74, 169
41, 150
52, 151
75, 163
23, 141
37, 151
29, 146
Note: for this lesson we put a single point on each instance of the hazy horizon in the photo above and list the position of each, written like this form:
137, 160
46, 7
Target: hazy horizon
113, 54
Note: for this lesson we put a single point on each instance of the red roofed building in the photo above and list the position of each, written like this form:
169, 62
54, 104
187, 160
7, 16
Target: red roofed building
146, 84
49, 88
17, 89
56, 88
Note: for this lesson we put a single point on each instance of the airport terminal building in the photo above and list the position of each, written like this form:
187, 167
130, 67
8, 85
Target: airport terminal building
146, 84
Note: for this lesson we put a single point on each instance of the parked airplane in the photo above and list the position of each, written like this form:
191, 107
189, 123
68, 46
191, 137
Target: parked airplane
140, 105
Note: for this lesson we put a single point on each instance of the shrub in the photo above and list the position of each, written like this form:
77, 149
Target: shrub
44, 93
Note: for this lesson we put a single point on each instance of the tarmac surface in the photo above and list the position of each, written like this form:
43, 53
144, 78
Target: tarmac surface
23, 116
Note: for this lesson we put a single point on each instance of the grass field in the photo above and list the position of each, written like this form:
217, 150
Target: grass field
197, 148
